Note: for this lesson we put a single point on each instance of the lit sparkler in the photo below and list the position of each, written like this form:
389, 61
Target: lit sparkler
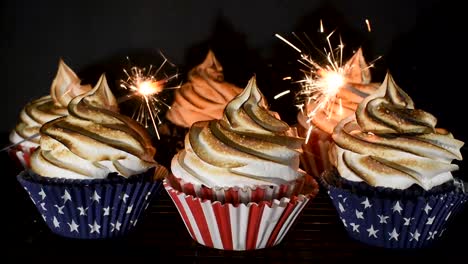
148, 86
322, 80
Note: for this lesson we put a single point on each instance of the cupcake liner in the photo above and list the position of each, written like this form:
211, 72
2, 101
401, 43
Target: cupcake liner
238, 195
392, 222
91, 209
314, 158
228, 226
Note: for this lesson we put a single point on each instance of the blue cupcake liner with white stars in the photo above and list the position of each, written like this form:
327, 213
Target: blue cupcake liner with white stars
91, 209
392, 222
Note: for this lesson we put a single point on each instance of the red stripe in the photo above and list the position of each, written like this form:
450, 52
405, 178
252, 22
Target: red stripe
232, 196
179, 206
224, 224
255, 216
197, 212
206, 193
314, 144
258, 195
286, 214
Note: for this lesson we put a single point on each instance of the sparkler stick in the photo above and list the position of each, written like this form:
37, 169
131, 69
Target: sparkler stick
19, 142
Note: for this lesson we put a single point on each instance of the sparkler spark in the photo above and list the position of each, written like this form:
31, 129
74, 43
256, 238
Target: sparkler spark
322, 80
148, 86
368, 25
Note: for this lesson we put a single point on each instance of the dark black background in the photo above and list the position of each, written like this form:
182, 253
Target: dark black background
419, 41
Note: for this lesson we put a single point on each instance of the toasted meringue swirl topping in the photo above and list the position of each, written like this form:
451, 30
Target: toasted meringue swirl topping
358, 86
204, 96
389, 143
65, 86
248, 146
93, 140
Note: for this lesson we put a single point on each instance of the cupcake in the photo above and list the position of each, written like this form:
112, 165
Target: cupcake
93, 173
65, 86
203, 97
316, 123
392, 181
237, 183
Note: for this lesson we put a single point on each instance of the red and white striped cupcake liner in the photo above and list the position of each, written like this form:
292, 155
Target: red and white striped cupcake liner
239, 226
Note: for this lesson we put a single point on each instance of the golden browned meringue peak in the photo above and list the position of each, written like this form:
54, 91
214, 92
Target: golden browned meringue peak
65, 86
389, 143
93, 140
358, 86
248, 146
204, 96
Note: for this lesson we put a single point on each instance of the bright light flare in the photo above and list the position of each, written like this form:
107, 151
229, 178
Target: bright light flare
331, 82
148, 86
322, 81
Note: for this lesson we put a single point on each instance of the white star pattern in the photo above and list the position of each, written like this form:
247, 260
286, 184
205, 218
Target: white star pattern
43, 206
134, 223
366, 203
124, 197
344, 222
372, 231
94, 228
393, 235
430, 220
106, 210
82, 210
115, 226
397, 207
56, 222
448, 216
427, 208
431, 235
42, 194
359, 215
129, 209
340, 206
415, 235
383, 218
73, 226
95, 197
147, 195
59, 208
408, 220
355, 227
44, 217
66, 197
441, 232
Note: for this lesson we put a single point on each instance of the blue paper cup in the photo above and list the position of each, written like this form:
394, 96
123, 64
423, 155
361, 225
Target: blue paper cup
92, 209
385, 220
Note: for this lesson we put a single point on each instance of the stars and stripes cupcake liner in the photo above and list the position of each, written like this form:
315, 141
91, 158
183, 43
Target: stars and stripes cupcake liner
239, 226
91, 209
392, 222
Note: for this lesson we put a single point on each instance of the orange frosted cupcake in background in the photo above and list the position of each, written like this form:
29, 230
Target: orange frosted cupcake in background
392, 180
65, 86
237, 183
202, 97
94, 172
316, 123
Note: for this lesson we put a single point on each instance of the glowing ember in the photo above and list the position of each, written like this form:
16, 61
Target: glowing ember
149, 85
